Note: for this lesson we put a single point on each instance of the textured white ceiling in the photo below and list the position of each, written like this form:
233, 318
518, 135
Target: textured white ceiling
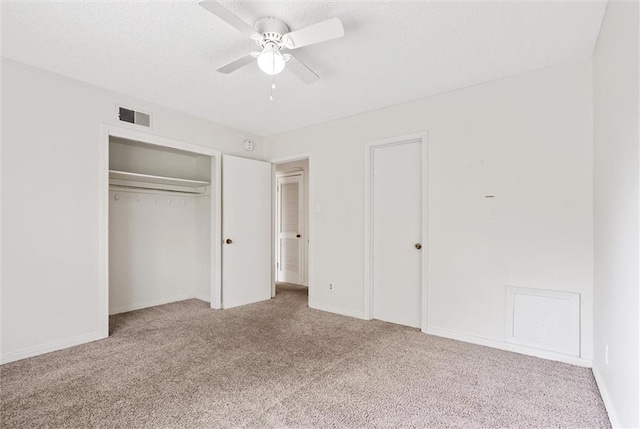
167, 52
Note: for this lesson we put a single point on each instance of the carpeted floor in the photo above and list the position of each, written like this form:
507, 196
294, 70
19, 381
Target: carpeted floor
281, 364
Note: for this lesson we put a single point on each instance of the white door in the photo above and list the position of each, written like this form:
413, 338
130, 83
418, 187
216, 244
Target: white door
290, 229
397, 232
246, 231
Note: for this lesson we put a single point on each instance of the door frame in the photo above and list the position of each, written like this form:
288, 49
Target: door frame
309, 219
303, 259
108, 130
369, 149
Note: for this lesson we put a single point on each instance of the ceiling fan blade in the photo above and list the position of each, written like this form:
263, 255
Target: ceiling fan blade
224, 14
316, 33
303, 72
236, 64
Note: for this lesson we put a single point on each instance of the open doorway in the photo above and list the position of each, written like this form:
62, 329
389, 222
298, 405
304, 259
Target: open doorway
291, 216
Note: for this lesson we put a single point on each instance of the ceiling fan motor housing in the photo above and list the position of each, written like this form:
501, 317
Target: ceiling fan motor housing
272, 30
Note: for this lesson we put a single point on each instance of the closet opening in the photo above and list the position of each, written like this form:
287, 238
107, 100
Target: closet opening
163, 222
291, 215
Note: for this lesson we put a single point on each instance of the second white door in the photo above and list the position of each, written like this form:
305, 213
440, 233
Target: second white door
246, 229
290, 227
397, 231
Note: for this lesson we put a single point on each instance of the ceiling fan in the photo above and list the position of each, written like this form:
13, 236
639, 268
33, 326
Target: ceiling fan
273, 36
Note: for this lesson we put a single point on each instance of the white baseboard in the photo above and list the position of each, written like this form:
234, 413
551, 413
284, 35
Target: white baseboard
358, 314
530, 351
87, 338
141, 305
202, 297
606, 398
50, 347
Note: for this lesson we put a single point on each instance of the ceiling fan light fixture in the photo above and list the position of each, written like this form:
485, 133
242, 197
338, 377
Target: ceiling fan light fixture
271, 60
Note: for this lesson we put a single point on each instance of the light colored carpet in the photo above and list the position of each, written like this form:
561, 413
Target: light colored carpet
281, 364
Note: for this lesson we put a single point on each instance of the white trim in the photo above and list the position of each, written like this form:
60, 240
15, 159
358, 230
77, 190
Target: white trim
202, 298
425, 231
156, 140
369, 147
215, 295
358, 314
290, 158
529, 351
93, 336
309, 219
103, 240
50, 347
606, 398
147, 304
304, 280
290, 174
108, 130
274, 240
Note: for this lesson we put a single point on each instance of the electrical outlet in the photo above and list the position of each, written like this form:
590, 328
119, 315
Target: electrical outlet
331, 287
606, 354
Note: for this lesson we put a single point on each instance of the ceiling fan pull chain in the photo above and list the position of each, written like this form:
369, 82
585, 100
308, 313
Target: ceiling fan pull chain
273, 80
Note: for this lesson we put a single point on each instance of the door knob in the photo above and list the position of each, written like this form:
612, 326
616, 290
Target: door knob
418, 246
297, 235
229, 241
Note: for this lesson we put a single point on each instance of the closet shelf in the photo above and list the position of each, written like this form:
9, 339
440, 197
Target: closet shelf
148, 181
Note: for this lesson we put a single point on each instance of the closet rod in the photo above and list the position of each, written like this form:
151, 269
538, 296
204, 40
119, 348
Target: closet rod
148, 190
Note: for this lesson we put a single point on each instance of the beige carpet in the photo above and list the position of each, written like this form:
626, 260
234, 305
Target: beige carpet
281, 364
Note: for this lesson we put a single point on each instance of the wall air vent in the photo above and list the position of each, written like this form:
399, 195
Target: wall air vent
134, 117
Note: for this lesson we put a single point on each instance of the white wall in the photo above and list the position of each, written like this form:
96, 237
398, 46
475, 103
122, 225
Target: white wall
617, 214
526, 139
152, 249
301, 165
50, 200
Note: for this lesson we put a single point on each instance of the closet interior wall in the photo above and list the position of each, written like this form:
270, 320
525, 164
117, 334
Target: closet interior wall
159, 239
